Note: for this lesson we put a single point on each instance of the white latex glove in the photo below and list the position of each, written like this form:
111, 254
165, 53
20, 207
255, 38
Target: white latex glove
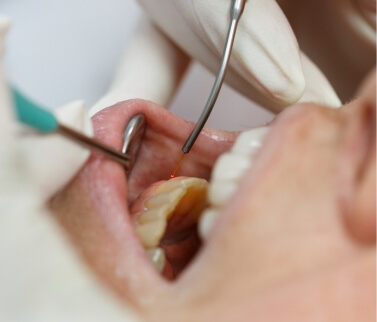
41, 277
266, 64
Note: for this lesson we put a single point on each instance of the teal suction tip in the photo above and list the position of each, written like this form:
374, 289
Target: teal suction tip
31, 114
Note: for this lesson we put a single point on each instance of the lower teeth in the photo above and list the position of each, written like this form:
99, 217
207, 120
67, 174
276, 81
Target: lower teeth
157, 257
162, 213
206, 223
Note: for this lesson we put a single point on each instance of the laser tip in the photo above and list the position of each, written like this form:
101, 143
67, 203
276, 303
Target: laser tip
177, 167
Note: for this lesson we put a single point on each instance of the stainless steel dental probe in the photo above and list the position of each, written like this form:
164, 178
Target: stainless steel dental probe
45, 121
236, 10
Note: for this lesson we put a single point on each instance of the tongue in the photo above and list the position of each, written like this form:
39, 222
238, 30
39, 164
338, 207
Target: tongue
93, 208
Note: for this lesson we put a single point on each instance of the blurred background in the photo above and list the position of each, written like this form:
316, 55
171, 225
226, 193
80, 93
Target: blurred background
63, 50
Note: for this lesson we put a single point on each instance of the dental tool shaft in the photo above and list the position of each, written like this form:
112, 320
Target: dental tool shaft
92, 143
177, 166
236, 10
29, 113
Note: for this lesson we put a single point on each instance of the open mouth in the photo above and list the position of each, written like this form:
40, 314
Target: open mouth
131, 227
141, 230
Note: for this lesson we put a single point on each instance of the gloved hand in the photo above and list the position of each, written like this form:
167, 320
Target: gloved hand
40, 275
266, 64
47, 163
338, 35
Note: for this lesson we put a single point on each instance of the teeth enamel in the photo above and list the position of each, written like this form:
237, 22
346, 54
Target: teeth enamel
206, 222
150, 233
230, 167
164, 198
180, 182
179, 196
220, 191
154, 214
157, 257
228, 171
249, 142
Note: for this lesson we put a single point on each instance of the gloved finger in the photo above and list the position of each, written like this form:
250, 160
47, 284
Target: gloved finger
151, 69
317, 88
53, 160
265, 55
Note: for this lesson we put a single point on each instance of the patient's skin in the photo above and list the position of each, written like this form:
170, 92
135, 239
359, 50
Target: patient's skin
296, 243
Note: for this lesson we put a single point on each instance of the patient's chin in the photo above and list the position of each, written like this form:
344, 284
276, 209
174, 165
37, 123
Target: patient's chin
95, 208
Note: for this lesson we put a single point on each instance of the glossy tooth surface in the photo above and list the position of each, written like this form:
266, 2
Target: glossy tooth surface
157, 257
227, 173
180, 182
220, 191
164, 198
160, 213
206, 223
150, 233
230, 167
179, 196
249, 142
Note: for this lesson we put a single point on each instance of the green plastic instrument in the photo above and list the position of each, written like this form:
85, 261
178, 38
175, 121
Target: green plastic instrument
31, 114
44, 121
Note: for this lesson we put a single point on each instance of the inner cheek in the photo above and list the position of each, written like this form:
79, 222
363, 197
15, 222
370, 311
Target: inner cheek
155, 162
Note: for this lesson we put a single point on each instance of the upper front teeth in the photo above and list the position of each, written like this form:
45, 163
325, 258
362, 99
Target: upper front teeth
155, 214
179, 197
249, 142
227, 173
220, 191
151, 232
230, 166
206, 221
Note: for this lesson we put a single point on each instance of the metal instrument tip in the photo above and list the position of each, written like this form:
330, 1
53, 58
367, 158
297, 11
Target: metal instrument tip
178, 165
